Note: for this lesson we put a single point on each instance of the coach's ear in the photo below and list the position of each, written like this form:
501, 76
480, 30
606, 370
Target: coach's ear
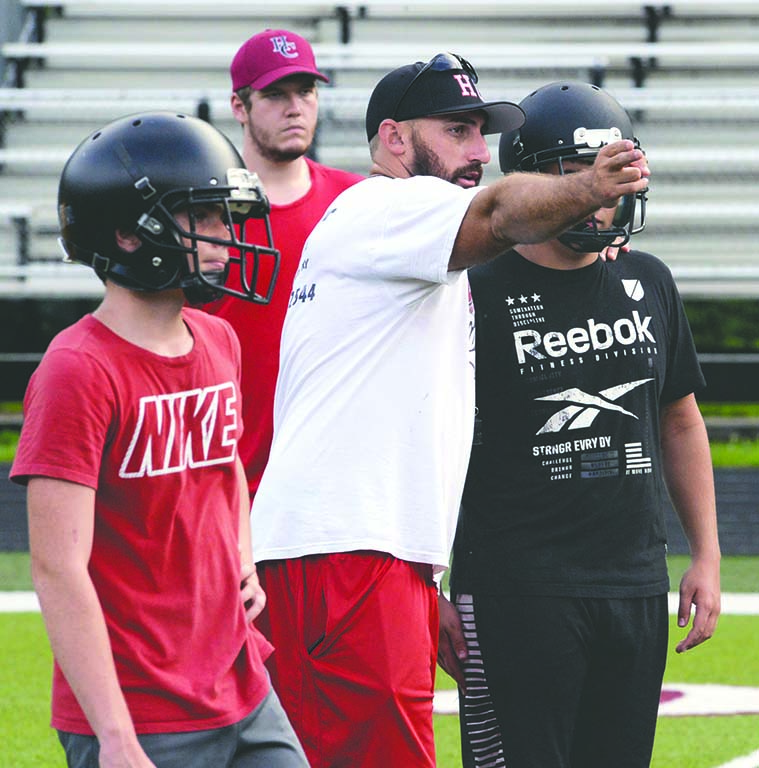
391, 134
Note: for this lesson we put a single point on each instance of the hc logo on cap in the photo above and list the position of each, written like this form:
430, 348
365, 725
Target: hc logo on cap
281, 45
467, 86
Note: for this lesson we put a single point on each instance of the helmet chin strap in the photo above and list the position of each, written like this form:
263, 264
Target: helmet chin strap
591, 242
201, 290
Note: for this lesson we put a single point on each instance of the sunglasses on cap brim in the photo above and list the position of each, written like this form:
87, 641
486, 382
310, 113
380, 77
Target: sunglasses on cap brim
442, 62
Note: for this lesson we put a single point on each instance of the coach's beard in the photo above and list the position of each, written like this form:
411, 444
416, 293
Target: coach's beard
427, 163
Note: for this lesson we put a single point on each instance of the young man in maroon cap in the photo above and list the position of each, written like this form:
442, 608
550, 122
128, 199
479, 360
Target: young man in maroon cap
275, 100
374, 408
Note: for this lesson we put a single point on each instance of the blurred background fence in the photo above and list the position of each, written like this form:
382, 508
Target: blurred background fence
686, 70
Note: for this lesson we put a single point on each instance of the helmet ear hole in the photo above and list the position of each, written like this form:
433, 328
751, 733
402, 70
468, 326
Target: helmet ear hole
127, 241
510, 152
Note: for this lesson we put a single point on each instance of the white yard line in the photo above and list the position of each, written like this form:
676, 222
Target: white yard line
749, 761
18, 602
678, 700
740, 603
736, 603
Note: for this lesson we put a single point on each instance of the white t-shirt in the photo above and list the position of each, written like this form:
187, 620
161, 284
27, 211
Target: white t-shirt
374, 406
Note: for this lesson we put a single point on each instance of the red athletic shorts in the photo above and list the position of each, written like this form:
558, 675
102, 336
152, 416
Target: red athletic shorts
355, 638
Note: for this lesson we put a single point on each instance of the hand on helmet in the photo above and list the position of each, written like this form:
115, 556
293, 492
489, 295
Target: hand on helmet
619, 169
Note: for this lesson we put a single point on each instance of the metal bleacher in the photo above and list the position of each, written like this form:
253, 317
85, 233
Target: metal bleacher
686, 70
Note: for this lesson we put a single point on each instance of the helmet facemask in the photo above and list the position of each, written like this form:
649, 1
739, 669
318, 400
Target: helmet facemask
590, 236
169, 242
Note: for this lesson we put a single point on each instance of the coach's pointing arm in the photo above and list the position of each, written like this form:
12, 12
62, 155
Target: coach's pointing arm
533, 207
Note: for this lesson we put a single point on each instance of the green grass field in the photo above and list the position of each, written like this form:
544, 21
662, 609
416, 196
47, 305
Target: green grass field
730, 658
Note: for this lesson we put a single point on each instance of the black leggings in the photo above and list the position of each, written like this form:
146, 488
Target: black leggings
562, 682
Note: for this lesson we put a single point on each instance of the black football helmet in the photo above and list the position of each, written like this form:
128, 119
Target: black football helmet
133, 175
572, 121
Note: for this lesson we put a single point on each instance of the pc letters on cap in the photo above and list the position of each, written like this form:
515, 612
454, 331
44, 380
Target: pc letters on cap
271, 55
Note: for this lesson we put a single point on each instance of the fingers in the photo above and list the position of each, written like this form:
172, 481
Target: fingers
254, 607
251, 593
683, 617
620, 169
623, 155
450, 625
642, 164
451, 643
704, 621
704, 624
451, 665
611, 252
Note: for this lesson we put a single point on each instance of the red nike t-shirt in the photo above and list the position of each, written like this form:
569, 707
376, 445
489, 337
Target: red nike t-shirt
156, 437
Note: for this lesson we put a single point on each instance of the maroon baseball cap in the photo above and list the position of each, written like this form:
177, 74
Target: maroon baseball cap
271, 55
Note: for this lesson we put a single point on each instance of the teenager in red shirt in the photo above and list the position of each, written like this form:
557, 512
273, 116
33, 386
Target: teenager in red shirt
138, 512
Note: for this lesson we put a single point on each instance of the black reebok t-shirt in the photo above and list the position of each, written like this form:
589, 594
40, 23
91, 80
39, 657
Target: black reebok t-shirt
565, 493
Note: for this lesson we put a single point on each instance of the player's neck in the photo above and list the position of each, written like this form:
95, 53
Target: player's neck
284, 182
554, 255
152, 321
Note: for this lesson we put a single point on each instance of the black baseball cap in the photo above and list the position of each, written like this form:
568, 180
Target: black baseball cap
445, 84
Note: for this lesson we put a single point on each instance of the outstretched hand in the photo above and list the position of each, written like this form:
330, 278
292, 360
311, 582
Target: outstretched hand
619, 169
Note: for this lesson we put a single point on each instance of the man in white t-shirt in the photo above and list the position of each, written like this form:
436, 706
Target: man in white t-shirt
374, 408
